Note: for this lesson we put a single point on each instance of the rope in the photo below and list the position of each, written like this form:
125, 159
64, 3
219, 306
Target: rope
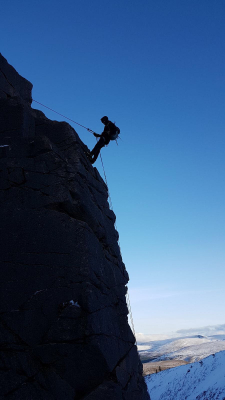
127, 295
110, 204
110, 200
131, 316
89, 130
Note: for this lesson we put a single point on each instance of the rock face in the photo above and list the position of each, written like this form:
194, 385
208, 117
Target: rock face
64, 332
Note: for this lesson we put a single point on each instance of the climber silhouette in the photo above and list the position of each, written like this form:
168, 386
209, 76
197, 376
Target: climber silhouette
110, 132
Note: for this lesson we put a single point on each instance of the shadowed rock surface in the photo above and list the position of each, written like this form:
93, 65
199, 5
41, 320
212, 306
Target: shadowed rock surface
64, 332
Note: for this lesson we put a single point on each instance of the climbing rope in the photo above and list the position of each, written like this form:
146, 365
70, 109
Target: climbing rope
89, 130
127, 295
110, 204
131, 316
110, 200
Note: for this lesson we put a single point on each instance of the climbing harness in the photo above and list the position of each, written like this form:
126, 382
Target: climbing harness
110, 201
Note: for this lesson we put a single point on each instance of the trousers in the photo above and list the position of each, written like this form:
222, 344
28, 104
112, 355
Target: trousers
96, 150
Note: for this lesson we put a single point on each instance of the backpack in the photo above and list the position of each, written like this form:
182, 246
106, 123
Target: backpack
114, 131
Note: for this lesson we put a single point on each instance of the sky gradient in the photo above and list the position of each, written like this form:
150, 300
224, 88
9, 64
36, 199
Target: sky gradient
156, 68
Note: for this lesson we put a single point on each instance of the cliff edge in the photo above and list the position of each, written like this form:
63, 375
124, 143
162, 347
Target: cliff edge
64, 332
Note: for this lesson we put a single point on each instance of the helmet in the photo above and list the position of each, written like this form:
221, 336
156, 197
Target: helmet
104, 120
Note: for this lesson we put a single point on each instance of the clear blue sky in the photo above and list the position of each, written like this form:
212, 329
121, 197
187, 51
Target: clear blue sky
157, 68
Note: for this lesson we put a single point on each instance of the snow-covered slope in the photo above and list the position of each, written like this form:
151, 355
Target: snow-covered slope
195, 352
179, 344
204, 380
188, 349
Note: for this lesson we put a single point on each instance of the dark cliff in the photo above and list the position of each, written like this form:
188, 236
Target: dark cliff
64, 332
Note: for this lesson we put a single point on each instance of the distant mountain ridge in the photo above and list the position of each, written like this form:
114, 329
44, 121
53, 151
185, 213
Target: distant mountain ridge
189, 349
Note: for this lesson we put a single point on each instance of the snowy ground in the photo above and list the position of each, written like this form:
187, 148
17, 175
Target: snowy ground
189, 349
204, 380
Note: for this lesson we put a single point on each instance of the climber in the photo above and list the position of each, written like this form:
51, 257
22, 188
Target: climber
110, 132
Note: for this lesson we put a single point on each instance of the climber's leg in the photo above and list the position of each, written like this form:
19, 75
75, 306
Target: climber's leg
96, 150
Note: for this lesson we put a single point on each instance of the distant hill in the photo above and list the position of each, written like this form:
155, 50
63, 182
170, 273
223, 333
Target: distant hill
189, 349
204, 380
